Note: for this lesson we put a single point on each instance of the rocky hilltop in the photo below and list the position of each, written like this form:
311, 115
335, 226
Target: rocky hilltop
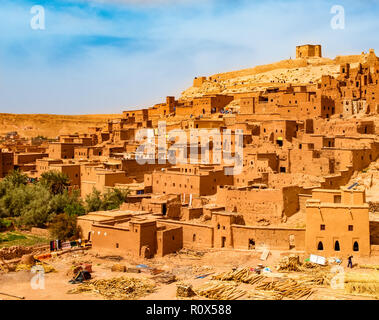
299, 71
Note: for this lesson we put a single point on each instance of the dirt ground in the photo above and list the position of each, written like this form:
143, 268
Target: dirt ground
186, 267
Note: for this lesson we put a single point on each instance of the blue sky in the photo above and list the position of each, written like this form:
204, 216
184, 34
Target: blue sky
106, 56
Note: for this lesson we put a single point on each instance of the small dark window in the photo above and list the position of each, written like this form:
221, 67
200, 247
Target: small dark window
337, 246
322, 227
356, 246
320, 246
117, 245
351, 228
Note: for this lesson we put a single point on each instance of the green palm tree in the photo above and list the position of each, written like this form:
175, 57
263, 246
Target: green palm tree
56, 181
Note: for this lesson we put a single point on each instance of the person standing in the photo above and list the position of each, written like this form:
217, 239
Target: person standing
350, 262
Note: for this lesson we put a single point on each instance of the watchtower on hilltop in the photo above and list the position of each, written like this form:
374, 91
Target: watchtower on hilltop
308, 51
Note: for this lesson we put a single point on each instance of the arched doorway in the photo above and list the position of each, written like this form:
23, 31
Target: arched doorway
337, 246
356, 246
320, 246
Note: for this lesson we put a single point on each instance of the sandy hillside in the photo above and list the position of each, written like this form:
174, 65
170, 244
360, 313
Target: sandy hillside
32, 125
292, 71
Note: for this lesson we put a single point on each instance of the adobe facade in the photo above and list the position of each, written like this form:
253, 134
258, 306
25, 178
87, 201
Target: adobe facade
302, 144
338, 223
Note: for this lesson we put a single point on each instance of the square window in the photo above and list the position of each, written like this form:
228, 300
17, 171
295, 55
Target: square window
351, 228
322, 227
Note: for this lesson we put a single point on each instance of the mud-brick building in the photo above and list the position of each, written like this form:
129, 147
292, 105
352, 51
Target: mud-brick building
210, 104
6, 163
260, 203
140, 237
198, 180
227, 230
308, 50
278, 132
338, 223
61, 150
85, 222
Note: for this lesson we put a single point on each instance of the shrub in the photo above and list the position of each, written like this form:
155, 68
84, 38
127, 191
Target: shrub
67, 202
64, 227
93, 201
37, 211
15, 179
108, 201
6, 224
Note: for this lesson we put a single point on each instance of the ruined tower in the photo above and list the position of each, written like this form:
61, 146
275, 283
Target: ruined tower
308, 51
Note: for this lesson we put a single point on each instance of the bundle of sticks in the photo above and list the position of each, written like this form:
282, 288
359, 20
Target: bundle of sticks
243, 275
362, 284
288, 288
318, 278
116, 288
217, 290
264, 295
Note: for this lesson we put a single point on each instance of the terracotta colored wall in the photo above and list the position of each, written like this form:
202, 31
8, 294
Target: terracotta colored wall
336, 220
107, 238
203, 234
266, 237
169, 241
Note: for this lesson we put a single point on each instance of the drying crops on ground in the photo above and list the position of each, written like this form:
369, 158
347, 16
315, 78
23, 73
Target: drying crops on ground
286, 288
369, 266
316, 278
39, 265
276, 288
116, 288
362, 284
243, 275
219, 290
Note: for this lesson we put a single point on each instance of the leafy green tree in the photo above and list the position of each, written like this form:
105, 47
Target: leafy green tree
56, 181
93, 201
37, 211
14, 179
14, 200
61, 201
35, 204
74, 209
64, 227
113, 199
